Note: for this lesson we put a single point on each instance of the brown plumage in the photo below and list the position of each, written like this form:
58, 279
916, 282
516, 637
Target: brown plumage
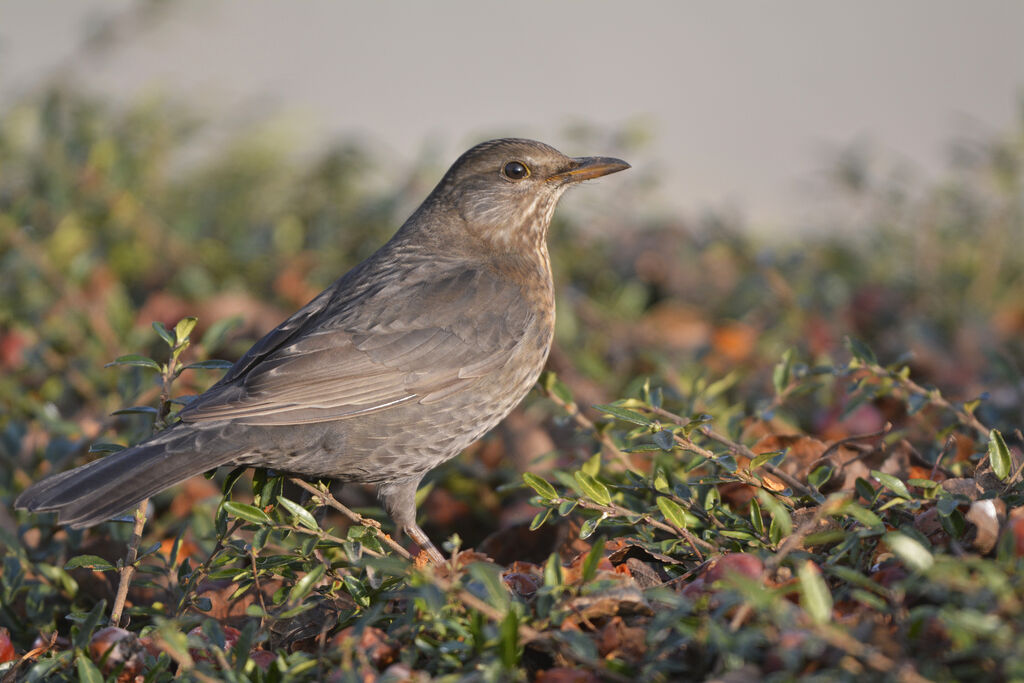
396, 367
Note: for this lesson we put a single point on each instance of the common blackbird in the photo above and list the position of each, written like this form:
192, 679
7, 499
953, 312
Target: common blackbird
396, 367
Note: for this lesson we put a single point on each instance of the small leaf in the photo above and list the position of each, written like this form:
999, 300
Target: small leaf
999, 455
93, 562
136, 410
762, 458
539, 519
592, 559
304, 585
135, 359
566, 506
249, 513
553, 575
589, 526
815, 597
913, 554
184, 328
301, 514
892, 483
625, 414
87, 671
673, 512
861, 351
209, 365
164, 334
490, 576
593, 464
781, 375
665, 440
592, 488
541, 486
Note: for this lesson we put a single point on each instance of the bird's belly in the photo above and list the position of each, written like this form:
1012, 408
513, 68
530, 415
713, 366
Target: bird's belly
409, 439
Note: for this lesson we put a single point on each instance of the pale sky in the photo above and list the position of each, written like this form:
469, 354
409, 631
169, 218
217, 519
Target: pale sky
745, 99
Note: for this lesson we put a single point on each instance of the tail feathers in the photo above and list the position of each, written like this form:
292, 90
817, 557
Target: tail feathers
103, 488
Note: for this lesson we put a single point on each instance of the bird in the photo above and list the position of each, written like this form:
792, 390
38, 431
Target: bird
396, 367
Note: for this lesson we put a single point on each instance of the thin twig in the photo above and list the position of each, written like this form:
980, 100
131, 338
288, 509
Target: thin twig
327, 499
128, 568
573, 411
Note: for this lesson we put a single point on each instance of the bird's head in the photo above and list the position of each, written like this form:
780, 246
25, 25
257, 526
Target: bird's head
505, 191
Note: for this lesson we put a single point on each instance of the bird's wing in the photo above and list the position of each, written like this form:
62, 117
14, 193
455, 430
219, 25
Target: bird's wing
403, 342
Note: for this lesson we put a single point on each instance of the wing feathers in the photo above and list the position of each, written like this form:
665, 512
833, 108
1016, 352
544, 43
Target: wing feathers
439, 339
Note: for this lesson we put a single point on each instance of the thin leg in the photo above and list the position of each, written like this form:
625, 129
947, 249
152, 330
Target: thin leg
399, 499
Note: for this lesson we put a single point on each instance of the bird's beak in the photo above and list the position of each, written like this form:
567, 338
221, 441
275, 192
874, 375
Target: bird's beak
585, 168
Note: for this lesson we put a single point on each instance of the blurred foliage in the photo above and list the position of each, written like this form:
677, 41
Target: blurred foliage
804, 460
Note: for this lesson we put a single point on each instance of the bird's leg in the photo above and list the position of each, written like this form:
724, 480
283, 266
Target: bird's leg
399, 499
416, 534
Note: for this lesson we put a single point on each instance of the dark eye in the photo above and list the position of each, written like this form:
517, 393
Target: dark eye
515, 170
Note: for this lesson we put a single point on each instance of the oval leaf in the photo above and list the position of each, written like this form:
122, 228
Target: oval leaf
93, 562
815, 597
593, 489
913, 554
892, 483
135, 359
999, 455
673, 512
541, 486
249, 513
301, 514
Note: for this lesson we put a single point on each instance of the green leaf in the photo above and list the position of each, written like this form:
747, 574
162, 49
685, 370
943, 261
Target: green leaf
673, 512
164, 334
781, 375
908, 549
756, 520
892, 483
592, 559
87, 671
593, 464
999, 455
135, 359
541, 486
593, 489
137, 410
625, 414
304, 585
815, 597
509, 644
93, 562
862, 515
589, 526
781, 519
539, 519
184, 328
249, 513
762, 458
209, 365
490, 576
553, 575
301, 514
861, 351
665, 440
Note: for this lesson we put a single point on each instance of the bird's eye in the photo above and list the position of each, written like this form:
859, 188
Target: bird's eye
515, 170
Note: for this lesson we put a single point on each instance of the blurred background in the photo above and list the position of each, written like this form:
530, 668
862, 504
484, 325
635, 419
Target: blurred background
803, 173
739, 107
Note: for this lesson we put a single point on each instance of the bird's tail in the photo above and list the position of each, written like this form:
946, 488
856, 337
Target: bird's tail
95, 492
